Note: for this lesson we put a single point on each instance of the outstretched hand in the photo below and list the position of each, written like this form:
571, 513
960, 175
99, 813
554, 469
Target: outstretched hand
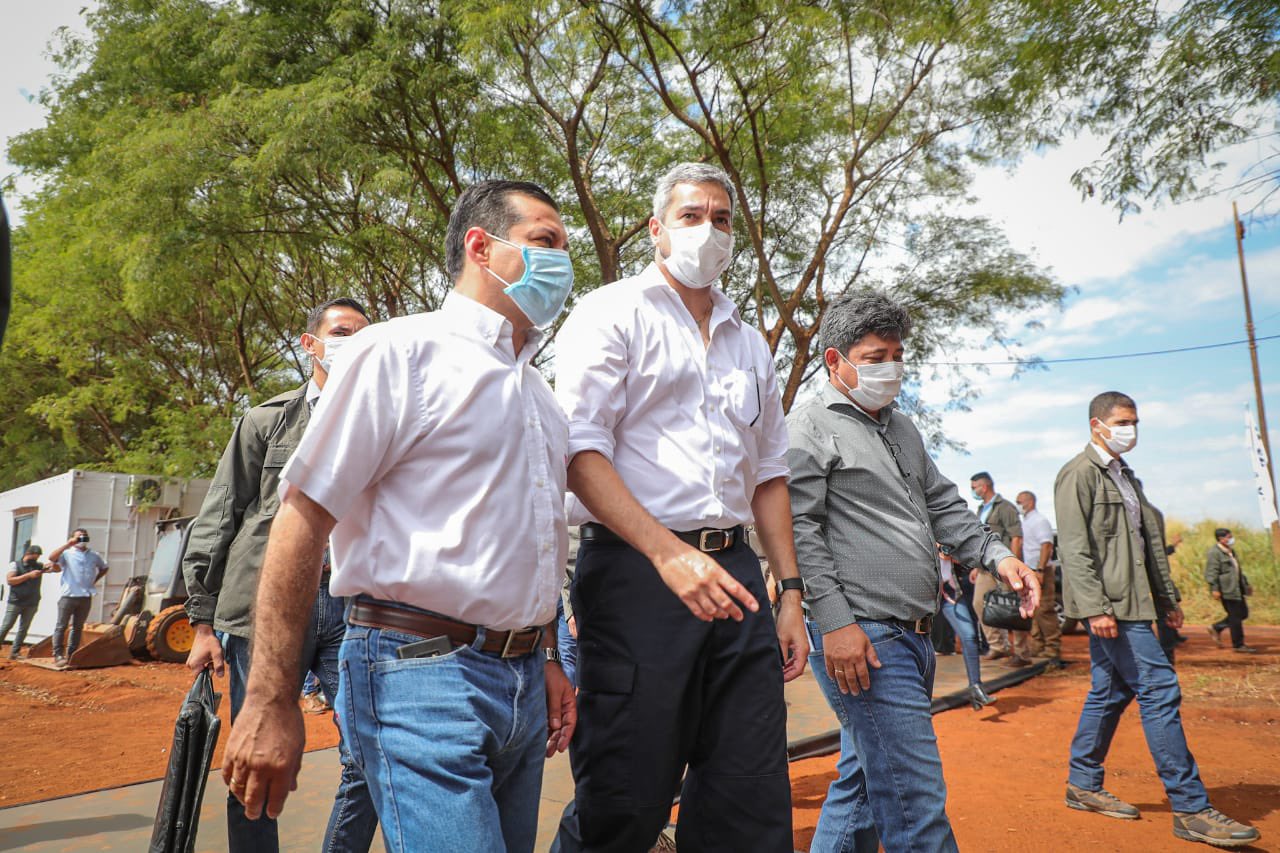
1022, 578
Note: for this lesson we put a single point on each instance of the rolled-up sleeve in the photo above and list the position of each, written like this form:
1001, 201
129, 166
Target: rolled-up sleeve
591, 372
972, 542
810, 464
372, 411
774, 441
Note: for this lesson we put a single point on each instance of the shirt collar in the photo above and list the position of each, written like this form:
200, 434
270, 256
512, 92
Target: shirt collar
488, 325
1104, 458
313, 391
722, 307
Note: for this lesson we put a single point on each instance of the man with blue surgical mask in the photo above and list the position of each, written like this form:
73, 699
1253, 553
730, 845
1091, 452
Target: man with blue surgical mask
870, 511
1115, 577
676, 442
434, 464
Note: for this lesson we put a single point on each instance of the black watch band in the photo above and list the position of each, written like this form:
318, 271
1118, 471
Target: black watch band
790, 583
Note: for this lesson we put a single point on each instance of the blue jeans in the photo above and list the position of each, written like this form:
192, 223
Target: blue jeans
890, 773
352, 821
961, 619
1133, 665
453, 745
567, 645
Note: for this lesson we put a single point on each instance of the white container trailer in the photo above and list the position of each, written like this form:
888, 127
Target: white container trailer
120, 512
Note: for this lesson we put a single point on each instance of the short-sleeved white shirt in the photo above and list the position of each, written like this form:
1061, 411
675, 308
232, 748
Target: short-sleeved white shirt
1036, 530
442, 455
692, 430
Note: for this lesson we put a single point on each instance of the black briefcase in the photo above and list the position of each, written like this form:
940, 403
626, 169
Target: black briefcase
1000, 610
194, 737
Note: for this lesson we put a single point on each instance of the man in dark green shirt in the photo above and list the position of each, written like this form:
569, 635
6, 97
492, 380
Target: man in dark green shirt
24, 580
223, 558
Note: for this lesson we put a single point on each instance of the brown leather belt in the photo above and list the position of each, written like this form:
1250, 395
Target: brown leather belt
708, 539
507, 644
923, 625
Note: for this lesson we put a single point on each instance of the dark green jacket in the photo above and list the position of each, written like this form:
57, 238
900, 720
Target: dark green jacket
1222, 576
1005, 523
1102, 570
229, 538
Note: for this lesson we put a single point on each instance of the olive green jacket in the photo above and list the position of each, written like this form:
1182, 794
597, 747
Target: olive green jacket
229, 537
1222, 576
1103, 569
1004, 522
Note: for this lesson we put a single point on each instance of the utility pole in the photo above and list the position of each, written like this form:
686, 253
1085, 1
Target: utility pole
1257, 374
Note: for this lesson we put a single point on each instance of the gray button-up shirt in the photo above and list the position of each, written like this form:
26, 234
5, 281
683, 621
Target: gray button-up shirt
868, 505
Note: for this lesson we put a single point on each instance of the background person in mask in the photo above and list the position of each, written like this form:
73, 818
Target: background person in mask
224, 555
1037, 552
676, 440
868, 504
1002, 517
81, 569
1115, 575
436, 459
1228, 584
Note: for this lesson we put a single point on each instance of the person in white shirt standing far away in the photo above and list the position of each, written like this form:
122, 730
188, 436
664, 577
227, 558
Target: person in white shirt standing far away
436, 458
676, 441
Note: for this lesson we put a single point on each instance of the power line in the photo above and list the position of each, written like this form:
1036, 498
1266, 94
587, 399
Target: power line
1034, 361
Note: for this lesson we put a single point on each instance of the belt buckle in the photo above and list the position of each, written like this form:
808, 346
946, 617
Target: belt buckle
703, 544
924, 625
511, 638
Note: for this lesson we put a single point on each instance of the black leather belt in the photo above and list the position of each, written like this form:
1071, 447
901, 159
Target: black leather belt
508, 644
708, 539
923, 625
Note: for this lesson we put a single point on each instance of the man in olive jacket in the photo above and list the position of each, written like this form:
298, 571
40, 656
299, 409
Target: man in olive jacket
223, 557
1228, 584
1002, 517
1115, 577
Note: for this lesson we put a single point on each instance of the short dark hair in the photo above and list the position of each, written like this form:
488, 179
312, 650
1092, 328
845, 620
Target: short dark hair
1028, 493
1220, 532
485, 205
982, 476
852, 317
316, 317
1102, 405
79, 530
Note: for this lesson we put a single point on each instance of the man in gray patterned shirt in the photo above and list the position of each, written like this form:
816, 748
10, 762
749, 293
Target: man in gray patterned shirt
868, 506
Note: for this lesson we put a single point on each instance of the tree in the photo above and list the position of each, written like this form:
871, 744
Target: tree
210, 170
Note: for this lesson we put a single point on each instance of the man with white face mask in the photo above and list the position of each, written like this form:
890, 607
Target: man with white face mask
81, 568
676, 442
224, 556
868, 504
1115, 576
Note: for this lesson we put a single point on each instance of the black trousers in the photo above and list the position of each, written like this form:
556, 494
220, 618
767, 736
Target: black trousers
659, 691
1237, 612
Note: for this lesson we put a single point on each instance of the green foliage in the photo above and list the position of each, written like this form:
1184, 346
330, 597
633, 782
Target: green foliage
1253, 549
210, 170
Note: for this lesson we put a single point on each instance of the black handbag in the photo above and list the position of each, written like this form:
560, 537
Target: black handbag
194, 737
1000, 610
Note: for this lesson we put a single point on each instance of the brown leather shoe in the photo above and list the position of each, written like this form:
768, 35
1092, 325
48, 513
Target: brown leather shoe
1213, 827
1102, 802
995, 654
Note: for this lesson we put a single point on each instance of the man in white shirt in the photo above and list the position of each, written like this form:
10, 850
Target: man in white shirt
436, 458
676, 442
1037, 552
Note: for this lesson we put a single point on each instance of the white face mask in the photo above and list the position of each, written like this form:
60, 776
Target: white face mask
699, 254
1123, 438
1231, 541
331, 346
877, 384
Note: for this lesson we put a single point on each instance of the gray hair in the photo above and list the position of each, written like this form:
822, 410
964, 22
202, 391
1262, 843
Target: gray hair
852, 317
689, 173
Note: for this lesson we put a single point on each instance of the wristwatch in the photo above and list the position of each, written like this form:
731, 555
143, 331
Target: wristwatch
790, 583
552, 654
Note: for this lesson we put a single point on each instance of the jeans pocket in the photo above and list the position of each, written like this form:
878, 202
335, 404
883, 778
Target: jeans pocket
881, 632
385, 660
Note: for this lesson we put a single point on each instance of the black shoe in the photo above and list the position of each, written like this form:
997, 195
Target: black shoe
979, 698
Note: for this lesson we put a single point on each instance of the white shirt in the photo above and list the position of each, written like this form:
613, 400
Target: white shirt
442, 456
1036, 530
692, 430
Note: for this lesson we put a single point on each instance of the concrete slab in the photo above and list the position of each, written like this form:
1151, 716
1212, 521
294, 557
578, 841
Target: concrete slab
121, 818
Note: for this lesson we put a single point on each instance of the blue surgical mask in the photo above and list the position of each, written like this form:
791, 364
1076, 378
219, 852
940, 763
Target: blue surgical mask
977, 497
548, 278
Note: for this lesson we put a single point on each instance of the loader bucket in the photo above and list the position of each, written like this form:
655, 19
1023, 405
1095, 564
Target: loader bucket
101, 644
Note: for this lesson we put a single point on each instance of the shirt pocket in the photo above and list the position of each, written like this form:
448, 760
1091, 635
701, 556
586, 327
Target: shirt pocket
743, 397
273, 462
1109, 514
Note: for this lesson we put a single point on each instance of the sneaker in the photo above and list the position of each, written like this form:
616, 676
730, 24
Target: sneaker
1248, 650
60, 663
314, 703
1215, 634
995, 654
1213, 827
1102, 802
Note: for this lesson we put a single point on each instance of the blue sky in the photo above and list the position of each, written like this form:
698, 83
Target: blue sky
1162, 279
